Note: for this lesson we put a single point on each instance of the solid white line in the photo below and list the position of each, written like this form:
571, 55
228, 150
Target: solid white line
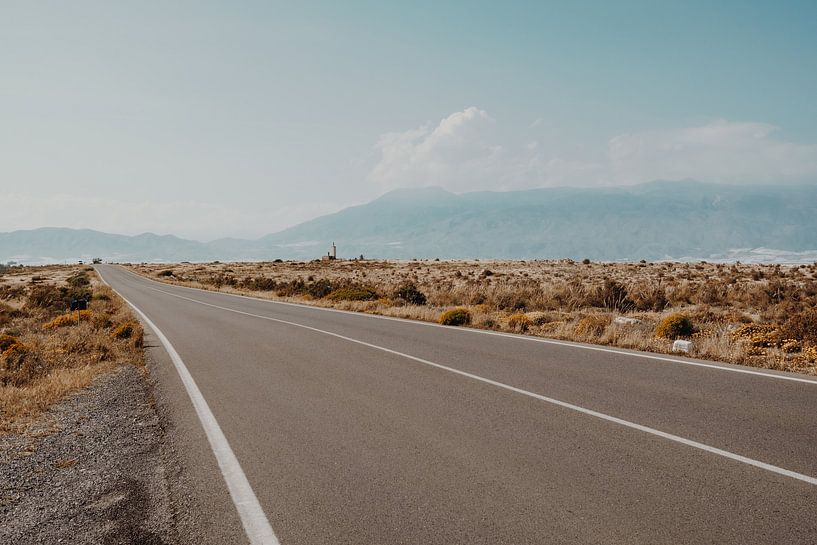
577, 408
643, 355
255, 522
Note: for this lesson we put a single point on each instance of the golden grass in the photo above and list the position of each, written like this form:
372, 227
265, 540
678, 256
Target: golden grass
47, 353
558, 299
68, 319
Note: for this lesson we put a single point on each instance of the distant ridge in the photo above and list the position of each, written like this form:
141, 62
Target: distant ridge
659, 220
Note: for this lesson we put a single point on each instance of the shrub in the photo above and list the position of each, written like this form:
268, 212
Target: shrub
675, 325
757, 335
648, 296
488, 323
809, 354
260, 283
538, 317
165, 273
69, 318
408, 292
353, 294
613, 296
46, 296
125, 330
294, 287
802, 326
456, 316
222, 279
15, 355
70, 294
320, 288
711, 293
7, 341
519, 322
593, 325
510, 301
790, 346
78, 280
102, 321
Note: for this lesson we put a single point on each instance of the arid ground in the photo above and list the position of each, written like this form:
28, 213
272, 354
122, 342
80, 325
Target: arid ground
757, 315
83, 453
45, 351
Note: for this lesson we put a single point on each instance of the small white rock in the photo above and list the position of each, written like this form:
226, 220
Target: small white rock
682, 346
624, 320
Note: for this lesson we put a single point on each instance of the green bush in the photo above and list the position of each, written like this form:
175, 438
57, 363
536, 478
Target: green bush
408, 292
293, 288
353, 294
259, 283
675, 325
78, 280
456, 316
488, 323
320, 288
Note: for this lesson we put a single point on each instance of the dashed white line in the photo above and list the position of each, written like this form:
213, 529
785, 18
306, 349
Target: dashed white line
626, 423
642, 355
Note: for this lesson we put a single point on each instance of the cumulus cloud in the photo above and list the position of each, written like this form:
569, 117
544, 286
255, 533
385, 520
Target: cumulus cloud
453, 154
465, 152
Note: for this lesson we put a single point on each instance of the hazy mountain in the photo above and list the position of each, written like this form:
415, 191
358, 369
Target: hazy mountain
651, 221
55, 245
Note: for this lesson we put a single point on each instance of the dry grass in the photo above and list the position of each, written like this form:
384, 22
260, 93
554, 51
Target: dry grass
47, 354
618, 304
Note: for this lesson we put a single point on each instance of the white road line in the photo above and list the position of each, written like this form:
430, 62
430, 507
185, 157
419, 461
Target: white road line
731, 369
688, 442
252, 516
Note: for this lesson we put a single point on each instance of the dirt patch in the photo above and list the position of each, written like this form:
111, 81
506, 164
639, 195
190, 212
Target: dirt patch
90, 470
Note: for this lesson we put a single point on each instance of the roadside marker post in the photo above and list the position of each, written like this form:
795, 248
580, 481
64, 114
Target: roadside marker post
79, 305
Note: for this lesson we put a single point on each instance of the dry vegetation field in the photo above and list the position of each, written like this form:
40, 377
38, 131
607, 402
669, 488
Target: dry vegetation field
758, 315
44, 352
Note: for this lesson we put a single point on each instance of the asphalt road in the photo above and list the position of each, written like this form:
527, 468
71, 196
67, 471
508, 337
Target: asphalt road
357, 429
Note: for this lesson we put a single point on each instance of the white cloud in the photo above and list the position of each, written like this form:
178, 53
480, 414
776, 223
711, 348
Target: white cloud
465, 152
190, 219
720, 151
454, 154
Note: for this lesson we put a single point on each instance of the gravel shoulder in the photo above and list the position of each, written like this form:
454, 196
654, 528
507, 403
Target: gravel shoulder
93, 469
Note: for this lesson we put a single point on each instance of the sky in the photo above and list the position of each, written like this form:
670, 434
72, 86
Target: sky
212, 119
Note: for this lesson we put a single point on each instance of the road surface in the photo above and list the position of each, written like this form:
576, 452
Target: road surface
347, 428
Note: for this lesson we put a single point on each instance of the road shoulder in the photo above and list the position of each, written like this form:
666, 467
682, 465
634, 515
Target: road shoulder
122, 461
90, 470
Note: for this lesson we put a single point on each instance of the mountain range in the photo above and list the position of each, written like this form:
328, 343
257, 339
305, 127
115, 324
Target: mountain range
658, 220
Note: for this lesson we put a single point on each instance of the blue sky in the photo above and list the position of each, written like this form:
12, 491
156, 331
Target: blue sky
210, 119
